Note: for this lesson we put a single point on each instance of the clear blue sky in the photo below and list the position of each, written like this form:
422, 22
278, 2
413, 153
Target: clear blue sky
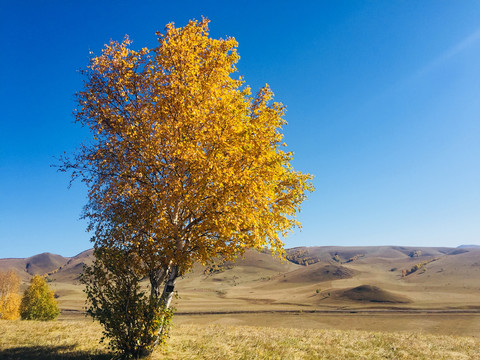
383, 103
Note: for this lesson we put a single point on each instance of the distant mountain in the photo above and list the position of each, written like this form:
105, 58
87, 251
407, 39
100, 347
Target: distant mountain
38, 264
468, 246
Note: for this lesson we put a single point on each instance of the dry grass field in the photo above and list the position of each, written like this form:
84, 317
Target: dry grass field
78, 339
431, 324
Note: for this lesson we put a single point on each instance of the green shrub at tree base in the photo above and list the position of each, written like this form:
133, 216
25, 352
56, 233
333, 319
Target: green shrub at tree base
131, 317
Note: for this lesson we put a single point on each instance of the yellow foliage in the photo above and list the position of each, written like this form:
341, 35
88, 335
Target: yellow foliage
184, 158
9, 295
38, 301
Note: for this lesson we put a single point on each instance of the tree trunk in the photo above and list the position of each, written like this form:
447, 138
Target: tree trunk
166, 297
156, 278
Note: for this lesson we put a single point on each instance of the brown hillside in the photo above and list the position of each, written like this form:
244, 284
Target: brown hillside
38, 264
459, 270
317, 273
362, 254
369, 293
18, 265
361, 277
71, 270
44, 263
254, 266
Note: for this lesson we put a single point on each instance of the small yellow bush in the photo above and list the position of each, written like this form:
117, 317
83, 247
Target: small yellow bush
38, 301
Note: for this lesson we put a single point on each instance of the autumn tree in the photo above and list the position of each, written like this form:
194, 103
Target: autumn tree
184, 164
38, 301
9, 295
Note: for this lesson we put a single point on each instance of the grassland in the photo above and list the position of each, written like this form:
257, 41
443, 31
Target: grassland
78, 339
348, 303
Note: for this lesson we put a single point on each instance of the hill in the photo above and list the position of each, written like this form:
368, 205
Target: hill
313, 279
35, 265
468, 246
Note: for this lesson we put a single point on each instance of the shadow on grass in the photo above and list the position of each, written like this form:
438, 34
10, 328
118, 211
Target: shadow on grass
50, 353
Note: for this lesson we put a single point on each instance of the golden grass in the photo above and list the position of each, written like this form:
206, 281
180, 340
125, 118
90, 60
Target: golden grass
78, 339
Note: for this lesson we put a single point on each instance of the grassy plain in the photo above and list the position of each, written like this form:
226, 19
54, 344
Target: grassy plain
78, 339
432, 324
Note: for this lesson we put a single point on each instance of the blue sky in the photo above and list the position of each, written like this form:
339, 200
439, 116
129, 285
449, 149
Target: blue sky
383, 102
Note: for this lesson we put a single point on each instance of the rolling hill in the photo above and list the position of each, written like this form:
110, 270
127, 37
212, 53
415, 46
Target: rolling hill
312, 279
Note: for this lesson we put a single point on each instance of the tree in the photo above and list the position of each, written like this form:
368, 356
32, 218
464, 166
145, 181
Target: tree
9, 295
38, 301
184, 165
